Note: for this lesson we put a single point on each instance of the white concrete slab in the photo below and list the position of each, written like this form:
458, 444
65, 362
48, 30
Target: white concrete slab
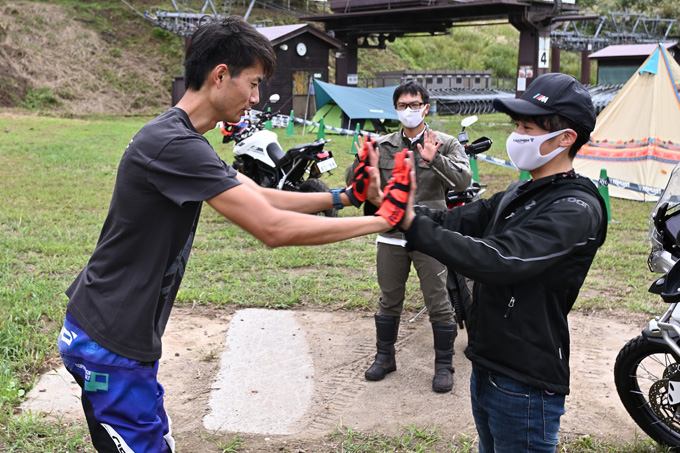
56, 394
266, 381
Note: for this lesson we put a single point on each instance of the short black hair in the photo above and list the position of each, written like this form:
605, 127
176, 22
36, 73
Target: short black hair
231, 41
554, 123
410, 87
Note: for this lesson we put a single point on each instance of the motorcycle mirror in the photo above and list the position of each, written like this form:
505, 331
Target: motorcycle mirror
274, 98
469, 121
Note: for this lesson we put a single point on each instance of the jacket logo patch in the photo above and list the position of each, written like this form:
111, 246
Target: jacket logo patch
577, 201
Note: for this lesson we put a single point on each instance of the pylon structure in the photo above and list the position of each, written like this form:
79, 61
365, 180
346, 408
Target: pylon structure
355, 142
290, 129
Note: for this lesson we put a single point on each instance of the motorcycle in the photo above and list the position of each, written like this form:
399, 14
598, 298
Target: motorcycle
459, 287
258, 155
647, 369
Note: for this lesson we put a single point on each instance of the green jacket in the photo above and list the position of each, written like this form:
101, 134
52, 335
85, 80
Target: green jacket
450, 168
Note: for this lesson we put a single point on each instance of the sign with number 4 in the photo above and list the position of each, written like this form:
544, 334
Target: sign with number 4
544, 52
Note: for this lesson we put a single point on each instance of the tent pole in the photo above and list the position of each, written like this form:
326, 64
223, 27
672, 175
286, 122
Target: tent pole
307, 103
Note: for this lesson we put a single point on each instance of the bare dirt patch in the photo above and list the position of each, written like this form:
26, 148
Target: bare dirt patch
49, 59
342, 346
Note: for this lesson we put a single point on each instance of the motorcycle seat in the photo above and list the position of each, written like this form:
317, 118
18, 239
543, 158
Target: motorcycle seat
297, 150
275, 153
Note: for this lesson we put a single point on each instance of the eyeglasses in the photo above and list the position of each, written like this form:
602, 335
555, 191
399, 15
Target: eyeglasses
413, 105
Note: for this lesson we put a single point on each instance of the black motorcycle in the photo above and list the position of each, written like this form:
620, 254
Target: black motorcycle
459, 287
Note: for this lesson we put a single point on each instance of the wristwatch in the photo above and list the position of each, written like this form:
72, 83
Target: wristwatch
337, 202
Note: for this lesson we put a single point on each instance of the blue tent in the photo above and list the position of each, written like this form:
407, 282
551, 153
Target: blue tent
357, 102
357, 105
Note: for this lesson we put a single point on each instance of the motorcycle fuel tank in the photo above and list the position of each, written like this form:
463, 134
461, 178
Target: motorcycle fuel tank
255, 146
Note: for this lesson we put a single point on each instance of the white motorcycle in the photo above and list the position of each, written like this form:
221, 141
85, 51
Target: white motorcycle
258, 155
647, 369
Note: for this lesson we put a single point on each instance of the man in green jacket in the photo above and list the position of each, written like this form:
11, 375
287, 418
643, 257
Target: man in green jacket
441, 165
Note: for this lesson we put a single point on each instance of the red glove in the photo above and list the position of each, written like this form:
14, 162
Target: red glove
395, 194
358, 190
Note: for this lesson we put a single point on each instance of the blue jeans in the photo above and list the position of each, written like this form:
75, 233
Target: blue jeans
121, 398
512, 417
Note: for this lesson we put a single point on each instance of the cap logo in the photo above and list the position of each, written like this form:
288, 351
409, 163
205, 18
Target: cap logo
541, 98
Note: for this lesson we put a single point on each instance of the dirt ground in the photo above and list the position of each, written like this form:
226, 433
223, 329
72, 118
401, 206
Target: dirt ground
342, 346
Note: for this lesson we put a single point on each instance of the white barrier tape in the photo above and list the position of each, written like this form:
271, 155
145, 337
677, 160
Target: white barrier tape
339, 130
609, 181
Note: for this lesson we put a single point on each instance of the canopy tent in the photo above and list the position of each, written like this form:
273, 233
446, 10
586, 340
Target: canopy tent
637, 136
345, 107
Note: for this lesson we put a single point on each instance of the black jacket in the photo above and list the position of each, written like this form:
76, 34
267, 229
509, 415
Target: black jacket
528, 249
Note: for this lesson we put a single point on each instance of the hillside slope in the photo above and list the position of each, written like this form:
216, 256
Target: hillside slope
78, 61
69, 58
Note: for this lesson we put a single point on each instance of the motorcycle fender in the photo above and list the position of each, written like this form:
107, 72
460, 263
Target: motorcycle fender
656, 337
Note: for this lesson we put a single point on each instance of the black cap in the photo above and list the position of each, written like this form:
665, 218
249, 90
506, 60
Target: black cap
551, 94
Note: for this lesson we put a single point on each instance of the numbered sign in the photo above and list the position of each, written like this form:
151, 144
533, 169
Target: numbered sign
544, 52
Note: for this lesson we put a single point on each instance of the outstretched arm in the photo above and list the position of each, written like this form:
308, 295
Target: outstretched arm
363, 183
248, 208
307, 202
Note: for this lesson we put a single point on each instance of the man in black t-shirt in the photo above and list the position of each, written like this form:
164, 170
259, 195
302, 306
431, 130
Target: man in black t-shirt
120, 303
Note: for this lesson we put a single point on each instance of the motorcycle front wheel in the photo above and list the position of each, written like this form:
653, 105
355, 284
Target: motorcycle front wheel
641, 374
316, 185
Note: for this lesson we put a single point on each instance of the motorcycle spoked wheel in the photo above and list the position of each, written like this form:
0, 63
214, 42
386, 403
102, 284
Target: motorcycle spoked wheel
316, 185
641, 375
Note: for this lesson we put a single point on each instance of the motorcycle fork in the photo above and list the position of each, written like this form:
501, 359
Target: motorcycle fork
665, 330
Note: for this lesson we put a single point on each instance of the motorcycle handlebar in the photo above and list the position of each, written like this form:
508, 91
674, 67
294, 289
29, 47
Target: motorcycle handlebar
478, 146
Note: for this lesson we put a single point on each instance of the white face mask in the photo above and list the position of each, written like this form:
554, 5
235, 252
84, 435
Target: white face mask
411, 118
525, 150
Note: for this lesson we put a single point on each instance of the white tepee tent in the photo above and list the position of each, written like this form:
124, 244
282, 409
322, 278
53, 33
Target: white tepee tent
637, 136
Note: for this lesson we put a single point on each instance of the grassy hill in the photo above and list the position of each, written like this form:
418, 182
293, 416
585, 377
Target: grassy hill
75, 58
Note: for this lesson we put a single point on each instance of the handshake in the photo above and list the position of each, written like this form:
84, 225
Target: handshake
394, 198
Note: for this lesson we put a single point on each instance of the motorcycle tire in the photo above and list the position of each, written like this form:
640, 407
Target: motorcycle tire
316, 185
641, 375
460, 295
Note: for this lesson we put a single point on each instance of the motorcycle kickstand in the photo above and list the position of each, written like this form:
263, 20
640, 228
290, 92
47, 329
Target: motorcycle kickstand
418, 314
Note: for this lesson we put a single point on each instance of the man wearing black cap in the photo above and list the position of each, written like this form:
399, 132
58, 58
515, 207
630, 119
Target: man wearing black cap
528, 249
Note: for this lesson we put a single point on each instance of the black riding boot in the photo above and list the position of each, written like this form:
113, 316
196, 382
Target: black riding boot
444, 335
386, 328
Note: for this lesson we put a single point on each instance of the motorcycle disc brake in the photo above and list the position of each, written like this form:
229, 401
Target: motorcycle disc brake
671, 370
658, 401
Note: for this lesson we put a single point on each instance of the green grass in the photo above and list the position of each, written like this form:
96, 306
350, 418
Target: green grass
32, 434
412, 439
409, 439
56, 177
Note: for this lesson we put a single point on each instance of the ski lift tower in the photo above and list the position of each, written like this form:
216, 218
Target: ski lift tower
184, 20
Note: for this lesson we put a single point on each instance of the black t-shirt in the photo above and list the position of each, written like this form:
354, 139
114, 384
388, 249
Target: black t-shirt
123, 297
